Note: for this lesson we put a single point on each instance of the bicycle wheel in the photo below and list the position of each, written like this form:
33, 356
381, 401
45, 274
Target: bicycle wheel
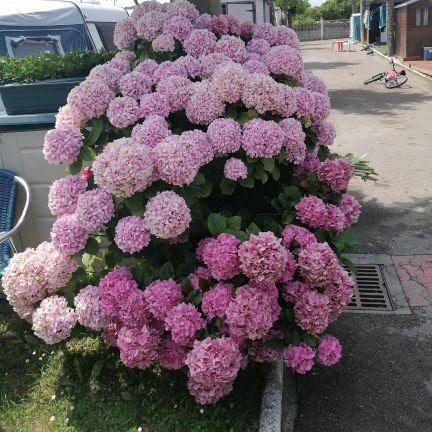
396, 82
376, 77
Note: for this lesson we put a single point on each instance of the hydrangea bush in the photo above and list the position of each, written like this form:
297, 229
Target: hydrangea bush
203, 218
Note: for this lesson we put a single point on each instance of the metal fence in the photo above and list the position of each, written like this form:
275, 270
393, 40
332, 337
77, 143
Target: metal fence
323, 30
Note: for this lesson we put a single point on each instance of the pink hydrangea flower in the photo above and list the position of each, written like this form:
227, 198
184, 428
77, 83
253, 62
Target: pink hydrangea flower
334, 218
164, 43
121, 64
131, 234
220, 256
204, 105
247, 30
145, 7
231, 46
171, 355
135, 84
69, 116
183, 321
259, 351
314, 84
219, 25
147, 67
261, 92
153, 130
53, 320
290, 268
287, 36
200, 43
299, 358
88, 310
182, 8
199, 251
214, 361
318, 264
258, 46
35, 273
110, 333
178, 26
294, 144
292, 291
286, 104
322, 107
170, 68
311, 211
64, 193
329, 351
167, 215
162, 296
123, 168
125, 55
134, 311
305, 102
191, 65
174, 161
94, 209
300, 235
228, 79
200, 273
216, 300
351, 209
340, 293
197, 141
266, 31
138, 347
109, 75
123, 111
149, 26
250, 314
210, 62
283, 60
235, 169
62, 145
262, 138
326, 133
208, 393
336, 173
262, 257
68, 236
124, 34
202, 22
312, 311
154, 104
256, 66
225, 136
177, 90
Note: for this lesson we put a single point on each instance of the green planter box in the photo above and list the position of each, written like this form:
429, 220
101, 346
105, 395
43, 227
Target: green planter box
37, 97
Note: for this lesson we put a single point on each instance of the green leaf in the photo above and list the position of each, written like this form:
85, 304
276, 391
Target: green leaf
216, 223
202, 190
195, 297
260, 174
297, 337
269, 164
227, 186
348, 237
322, 235
167, 271
199, 179
348, 263
293, 193
87, 153
96, 130
78, 369
234, 223
287, 218
74, 168
243, 118
92, 246
87, 260
126, 396
289, 314
248, 182
309, 339
276, 204
253, 228
96, 369
276, 173
276, 344
135, 204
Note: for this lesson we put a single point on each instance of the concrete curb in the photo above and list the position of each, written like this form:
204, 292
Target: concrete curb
289, 400
271, 404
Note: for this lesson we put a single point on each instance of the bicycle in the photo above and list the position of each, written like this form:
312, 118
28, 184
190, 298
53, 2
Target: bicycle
393, 78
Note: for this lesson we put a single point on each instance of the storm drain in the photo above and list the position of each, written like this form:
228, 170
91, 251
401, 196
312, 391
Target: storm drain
370, 289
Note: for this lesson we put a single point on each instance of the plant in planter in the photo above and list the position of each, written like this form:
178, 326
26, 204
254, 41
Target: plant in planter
209, 229
40, 83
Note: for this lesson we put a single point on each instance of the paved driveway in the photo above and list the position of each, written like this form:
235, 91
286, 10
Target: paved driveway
394, 128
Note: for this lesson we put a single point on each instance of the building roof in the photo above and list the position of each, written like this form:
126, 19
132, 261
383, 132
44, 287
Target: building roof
376, 3
406, 3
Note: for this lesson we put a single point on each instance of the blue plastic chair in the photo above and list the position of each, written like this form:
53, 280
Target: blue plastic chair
8, 192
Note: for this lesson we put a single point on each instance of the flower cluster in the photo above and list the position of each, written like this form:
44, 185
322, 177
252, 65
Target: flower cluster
201, 188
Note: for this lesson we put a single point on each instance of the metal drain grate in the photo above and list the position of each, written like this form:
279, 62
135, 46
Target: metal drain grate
370, 289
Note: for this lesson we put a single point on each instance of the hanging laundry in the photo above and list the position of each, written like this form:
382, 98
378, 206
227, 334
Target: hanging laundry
383, 16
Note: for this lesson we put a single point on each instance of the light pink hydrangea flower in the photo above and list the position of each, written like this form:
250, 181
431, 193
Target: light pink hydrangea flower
300, 235
208, 393
94, 209
311, 211
153, 130
287, 36
171, 355
164, 43
225, 136
68, 236
167, 215
62, 145
200, 43
123, 168
69, 116
247, 30
305, 102
351, 209
231, 46
123, 111
336, 173
221, 256
266, 31
183, 321
312, 311
131, 235
53, 320
294, 144
235, 169
178, 26
314, 84
198, 141
228, 79
261, 92
322, 107
135, 84
124, 34
162, 296
299, 358
147, 67
177, 90
204, 105
64, 193
258, 46
182, 8
326, 133
149, 26
109, 75
329, 351
88, 310
138, 347
154, 104
216, 300
254, 66
210, 62
283, 60
292, 291
262, 138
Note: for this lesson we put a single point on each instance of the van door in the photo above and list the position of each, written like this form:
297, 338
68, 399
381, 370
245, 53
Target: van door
242, 10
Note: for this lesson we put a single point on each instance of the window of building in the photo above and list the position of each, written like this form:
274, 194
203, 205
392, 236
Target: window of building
418, 17
426, 16
422, 17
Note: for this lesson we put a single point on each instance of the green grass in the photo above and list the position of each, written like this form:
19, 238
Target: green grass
115, 399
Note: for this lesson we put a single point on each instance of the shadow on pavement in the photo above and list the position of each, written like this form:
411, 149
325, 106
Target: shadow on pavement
312, 66
367, 100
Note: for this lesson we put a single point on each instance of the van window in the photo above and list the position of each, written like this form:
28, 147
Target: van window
30, 45
106, 33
